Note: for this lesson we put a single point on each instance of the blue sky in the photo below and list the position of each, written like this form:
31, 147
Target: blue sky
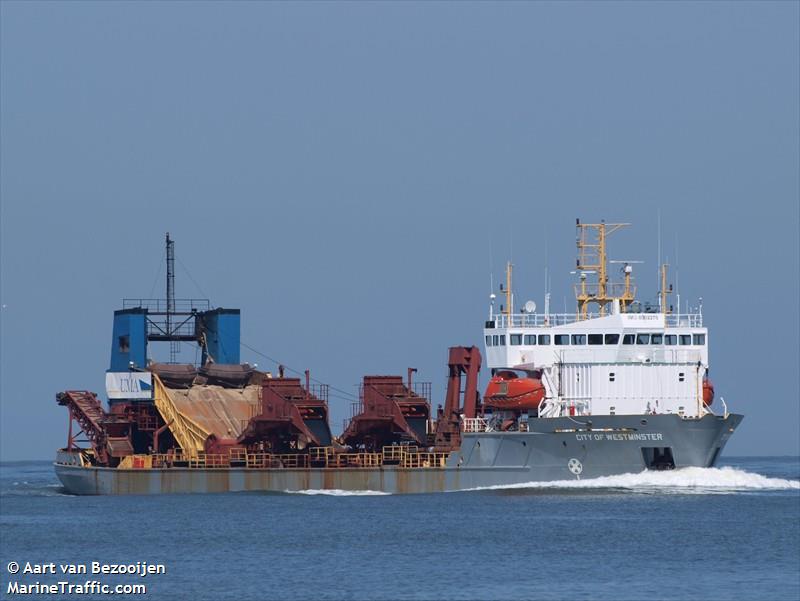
349, 174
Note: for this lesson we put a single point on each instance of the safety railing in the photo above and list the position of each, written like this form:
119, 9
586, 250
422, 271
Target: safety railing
355, 460
210, 460
474, 424
288, 460
237, 456
540, 320
689, 320
160, 460
417, 460
160, 305
136, 462
395, 453
570, 406
537, 320
320, 455
403, 456
259, 460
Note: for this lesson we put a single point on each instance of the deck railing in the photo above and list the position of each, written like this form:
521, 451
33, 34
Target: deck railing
159, 305
474, 424
540, 320
402, 456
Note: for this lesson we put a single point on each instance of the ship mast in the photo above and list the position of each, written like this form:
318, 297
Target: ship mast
174, 345
592, 259
665, 290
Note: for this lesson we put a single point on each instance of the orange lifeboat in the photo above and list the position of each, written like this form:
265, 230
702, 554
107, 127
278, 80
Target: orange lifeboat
510, 391
708, 391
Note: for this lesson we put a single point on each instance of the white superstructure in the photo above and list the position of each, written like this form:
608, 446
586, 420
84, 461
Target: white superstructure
619, 361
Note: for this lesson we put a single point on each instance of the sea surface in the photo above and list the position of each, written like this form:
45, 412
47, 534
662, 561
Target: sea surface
731, 532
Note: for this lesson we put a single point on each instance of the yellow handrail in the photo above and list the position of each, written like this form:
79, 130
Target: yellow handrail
417, 460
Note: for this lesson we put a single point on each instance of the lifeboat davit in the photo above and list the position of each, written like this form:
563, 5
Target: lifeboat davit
708, 391
510, 391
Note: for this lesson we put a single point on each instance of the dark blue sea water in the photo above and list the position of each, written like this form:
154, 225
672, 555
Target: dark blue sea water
729, 533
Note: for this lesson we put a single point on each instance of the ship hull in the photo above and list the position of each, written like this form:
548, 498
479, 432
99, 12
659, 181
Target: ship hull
552, 449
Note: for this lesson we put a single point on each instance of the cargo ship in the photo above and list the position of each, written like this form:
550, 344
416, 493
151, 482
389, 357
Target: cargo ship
616, 387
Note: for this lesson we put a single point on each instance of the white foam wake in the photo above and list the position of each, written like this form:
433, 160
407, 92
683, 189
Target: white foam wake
336, 492
689, 480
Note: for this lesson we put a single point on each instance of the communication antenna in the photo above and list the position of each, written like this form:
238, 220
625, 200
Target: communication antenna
174, 345
658, 265
491, 265
492, 295
547, 308
530, 307
677, 282
663, 289
546, 284
509, 306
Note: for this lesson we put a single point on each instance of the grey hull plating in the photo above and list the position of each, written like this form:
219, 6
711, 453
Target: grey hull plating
552, 449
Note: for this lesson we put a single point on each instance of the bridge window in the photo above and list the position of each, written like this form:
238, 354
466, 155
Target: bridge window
562, 339
699, 339
488, 341
611, 339
502, 339
681, 377
544, 339
643, 339
530, 339
670, 340
495, 340
628, 339
579, 339
612, 376
686, 339
516, 339
657, 339
595, 339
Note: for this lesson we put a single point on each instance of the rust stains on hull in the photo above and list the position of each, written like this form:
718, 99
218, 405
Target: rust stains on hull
94, 480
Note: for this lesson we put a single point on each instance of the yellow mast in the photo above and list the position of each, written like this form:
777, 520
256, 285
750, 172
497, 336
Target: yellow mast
592, 258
